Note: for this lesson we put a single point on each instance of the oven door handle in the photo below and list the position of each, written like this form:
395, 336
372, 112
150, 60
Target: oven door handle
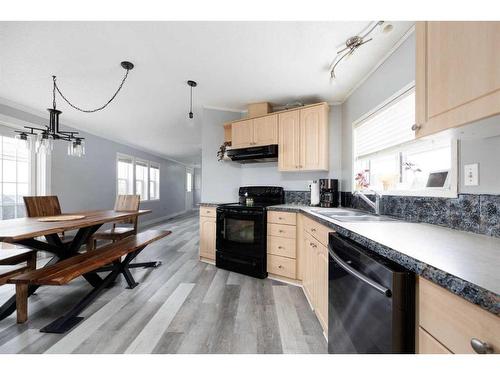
379, 288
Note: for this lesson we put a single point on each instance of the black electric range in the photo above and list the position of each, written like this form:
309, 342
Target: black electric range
241, 243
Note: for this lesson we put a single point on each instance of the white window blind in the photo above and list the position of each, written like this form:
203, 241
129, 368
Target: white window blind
388, 127
141, 179
125, 175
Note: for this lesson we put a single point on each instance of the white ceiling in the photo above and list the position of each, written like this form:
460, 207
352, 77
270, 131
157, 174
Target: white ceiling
234, 63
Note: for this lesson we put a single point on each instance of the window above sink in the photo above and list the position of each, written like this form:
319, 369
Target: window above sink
388, 159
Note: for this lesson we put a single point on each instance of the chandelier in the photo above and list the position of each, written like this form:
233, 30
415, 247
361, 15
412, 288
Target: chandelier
43, 138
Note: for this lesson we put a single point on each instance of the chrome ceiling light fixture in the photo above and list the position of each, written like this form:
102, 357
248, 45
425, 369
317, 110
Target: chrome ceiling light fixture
191, 84
44, 139
354, 42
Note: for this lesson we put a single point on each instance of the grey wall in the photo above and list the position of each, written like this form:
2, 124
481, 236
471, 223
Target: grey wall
89, 182
395, 73
197, 186
219, 180
485, 152
268, 174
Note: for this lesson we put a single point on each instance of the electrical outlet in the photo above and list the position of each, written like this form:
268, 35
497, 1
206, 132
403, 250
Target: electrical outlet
471, 174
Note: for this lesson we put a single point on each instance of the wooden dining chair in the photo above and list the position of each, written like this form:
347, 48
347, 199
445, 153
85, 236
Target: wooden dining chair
116, 233
40, 206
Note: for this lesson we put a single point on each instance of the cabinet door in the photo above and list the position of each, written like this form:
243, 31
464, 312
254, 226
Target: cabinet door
288, 141
265, 130
322, 294
457, 74
242, 134
314, 138
207, 237
307, 274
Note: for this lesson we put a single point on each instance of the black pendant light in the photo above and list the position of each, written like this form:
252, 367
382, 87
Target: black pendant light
45, 139
191, 84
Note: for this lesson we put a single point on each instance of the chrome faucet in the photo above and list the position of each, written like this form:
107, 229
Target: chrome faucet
375, 205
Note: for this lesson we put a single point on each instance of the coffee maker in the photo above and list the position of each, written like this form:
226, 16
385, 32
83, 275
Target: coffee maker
328, 192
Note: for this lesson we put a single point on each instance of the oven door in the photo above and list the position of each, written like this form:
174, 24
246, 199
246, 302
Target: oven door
241, 232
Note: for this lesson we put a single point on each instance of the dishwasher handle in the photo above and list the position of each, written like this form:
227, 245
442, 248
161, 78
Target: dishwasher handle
379, 288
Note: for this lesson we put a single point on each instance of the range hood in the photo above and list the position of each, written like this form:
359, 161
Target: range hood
260, 154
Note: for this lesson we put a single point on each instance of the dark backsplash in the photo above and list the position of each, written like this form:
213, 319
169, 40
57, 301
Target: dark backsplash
299, 197
469, 212
478, 213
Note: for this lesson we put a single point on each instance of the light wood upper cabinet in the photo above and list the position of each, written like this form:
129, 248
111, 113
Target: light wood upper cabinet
457, 74
265, 130
314, 138
289, 141
242, 134
303, 139
260, 131
207, 237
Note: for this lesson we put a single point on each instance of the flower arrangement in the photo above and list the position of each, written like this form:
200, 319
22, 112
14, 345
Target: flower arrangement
361, 179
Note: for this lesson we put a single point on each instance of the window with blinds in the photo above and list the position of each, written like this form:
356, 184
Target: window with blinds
388, 127
387, 158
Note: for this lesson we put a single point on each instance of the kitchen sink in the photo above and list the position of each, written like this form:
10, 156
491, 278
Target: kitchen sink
352, 216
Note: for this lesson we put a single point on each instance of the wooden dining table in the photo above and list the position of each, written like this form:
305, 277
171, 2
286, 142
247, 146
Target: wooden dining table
27, 231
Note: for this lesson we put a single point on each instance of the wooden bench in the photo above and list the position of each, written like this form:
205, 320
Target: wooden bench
80, 265
14, 260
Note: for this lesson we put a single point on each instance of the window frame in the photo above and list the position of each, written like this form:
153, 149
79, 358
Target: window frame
148, 164
39, 171
154, 166
448, 192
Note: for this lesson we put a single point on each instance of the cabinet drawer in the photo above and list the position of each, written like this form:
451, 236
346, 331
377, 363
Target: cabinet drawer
208, 211
429, 345
280, 230
284, 247
278, 217
453, 321
318, 231
281, 266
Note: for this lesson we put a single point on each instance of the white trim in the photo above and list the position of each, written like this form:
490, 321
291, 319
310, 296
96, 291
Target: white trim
225, 109
405, 36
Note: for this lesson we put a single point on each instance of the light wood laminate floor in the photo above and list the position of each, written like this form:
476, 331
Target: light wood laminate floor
184, 306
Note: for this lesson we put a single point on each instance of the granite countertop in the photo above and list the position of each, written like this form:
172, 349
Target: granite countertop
465, 263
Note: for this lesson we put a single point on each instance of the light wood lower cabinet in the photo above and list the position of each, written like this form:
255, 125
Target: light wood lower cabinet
457, 74
207, 234
429, 345
315, 277
281, 245
453, 322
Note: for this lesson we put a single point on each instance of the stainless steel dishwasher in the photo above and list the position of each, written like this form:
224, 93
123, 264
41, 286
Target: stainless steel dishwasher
370, 301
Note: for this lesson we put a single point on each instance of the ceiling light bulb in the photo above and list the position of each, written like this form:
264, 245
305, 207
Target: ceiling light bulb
387, 28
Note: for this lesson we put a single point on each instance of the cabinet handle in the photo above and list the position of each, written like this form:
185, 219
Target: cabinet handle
481, 347
280, 218
313, 229
280, 266
312, 245
416, 127
280, 231
280, 247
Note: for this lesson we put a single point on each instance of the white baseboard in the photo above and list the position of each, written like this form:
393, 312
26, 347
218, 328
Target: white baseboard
162, 218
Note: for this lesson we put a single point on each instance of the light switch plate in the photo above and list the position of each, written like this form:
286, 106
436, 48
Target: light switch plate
471, 174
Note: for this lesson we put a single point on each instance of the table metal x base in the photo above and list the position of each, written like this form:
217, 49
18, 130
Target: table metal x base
61, 251
71, 318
